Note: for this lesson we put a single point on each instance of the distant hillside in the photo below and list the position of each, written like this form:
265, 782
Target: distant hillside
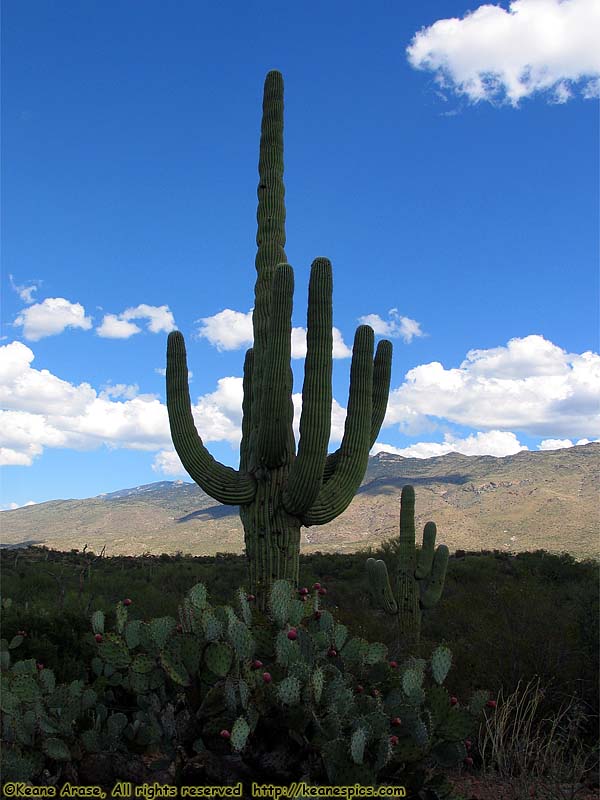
527, 501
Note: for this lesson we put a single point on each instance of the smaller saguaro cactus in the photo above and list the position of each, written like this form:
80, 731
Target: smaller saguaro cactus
420, 576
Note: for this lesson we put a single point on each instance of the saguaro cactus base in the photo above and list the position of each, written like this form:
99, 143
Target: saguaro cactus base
277, 489
420, 579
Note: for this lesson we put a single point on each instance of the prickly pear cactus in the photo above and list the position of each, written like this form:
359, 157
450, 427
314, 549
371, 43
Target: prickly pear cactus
39, 717
317, 703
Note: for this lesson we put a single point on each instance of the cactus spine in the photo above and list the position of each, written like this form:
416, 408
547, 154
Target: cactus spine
420, 580
279, 491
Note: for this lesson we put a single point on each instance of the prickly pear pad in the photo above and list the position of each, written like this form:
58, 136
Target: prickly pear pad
241, 638
218, 657
197, 596
280, 602
114, 651
98, 622
357, 745
441, 661
239, 734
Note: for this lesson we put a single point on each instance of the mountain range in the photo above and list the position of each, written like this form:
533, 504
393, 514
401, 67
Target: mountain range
527, 501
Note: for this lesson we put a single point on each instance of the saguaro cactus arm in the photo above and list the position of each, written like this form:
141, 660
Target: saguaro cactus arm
382, 370
336, 495
305, 477
246, 410
379, 584
431, 567
223, 483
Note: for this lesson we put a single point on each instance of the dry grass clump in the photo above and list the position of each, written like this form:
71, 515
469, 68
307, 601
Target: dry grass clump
537, 755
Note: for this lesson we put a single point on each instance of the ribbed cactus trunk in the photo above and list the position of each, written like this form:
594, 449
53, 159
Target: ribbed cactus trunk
272, 536
409, 606
277, 490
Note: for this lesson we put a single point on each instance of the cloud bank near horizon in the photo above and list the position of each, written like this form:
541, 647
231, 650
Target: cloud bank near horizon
529, 385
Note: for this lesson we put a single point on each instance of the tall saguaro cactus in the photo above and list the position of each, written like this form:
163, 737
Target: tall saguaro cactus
420, 580
277, 490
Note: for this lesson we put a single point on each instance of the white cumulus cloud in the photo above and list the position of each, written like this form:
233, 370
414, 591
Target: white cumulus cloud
160, 319
37, 391
340, 349
530, 385
41, 410
114, 328
231, 330
299, 347
560, 444
119, 326
167, 462
397, 327
505, 55
23, 437
51, 317
490, 443
521, 358
218, 415
228, 330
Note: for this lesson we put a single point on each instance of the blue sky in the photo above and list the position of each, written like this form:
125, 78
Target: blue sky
443, 155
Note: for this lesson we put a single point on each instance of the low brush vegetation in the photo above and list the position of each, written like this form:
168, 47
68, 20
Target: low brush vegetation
110, 672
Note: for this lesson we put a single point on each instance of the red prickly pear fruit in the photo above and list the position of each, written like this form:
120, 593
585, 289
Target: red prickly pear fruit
316, 586
292, 634
453, 700
251, 597
267, 677
317, 615
396, 722
304, 590
128, 601
394, 740
225, 734
98, 637
21, 633
469, 761
491, 704
468, 744
322, 590
360, 689
256, 664
394, 664
332, 652
179, 628
39, 666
